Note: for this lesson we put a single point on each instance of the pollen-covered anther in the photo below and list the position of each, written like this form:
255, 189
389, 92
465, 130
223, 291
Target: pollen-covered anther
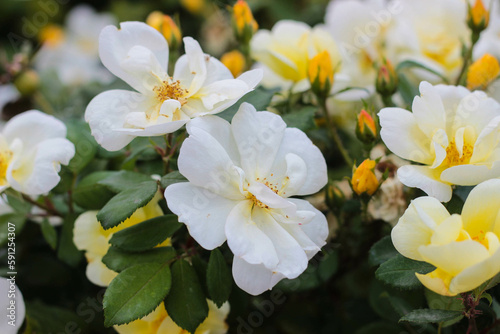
171, 90
454, 158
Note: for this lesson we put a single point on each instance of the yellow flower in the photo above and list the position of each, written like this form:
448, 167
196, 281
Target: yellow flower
244, 23
366, 130
158, 322
51, 35
479, 16
364, 179
234, 61
320, 73
167, 27
483, 72
89, 236
465, 249
193, 6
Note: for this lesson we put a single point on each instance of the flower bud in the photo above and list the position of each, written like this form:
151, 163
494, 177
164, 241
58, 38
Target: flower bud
195, 7
364, 179
234, 61
27, 82
243, 22
479, 17
51, 35
387, 79
320, 73
335, 198
483, 72
366, 130
167, 27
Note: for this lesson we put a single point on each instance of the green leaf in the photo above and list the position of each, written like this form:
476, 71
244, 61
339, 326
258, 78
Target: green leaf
186, 304
49, 233
124, 180
136, 292
382, 251
400, 272
171, 178
439, 302
328, 266
91, 195
67, 251
463, 192
260, 98
45, 319
18, 204
17, 219
123, 205
455, 205
302, 119
85, 144
430, 316
147, 234
407, 90
119, 260
415, 64
219, 278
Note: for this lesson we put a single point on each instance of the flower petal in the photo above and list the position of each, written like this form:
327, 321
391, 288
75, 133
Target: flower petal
426, 179
191, 68
481, 210
254, 278
428, 109
470, 175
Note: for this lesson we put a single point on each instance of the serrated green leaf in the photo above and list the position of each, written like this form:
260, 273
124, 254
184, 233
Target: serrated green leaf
123, 180
171, 178
85, 144
123, 205
119, 260
382, 251
136, 292
302, 119
67, 251
400, 272
259, 98
439, 302
430, 316
49, 233
219, 279
147, 234
91, 195
186, 304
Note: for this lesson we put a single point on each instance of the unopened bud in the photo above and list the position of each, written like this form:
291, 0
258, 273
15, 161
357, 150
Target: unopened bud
27, 82
335, 198
167, 27
387, 79
364, 180
483, 72
234, 61
366, 129
243, 22
479, 17
320, 73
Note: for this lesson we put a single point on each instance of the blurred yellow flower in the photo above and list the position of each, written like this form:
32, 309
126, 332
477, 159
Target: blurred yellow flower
234, 61
244, 23
193, 6
483, 72
465, 249
366, 130
479, 16
51, 35
167, 27
364, 179
320, 73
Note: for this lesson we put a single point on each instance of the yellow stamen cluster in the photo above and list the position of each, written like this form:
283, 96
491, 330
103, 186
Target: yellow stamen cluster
453, 157
171, 90
5, 158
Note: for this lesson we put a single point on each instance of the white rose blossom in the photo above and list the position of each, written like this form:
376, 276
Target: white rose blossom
161, 104
454, 135
241, 177
33, 146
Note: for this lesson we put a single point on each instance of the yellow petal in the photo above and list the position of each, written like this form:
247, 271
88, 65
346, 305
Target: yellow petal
437, 281
448, 231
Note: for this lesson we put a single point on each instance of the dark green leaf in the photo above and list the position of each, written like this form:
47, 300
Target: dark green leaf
123, 205
18, 204
124, 180
85, 144
308, 280
455, 205
186, 304
119, 260
67, 251
171, 178
91, 195
439, 302
328, 266
382, 251
463, 192
136, 292
45, 319
49, 233
147, 234
302, 119
380, 327
430, 316
219, 279
259, 98
400, 272
407, 90
15, 218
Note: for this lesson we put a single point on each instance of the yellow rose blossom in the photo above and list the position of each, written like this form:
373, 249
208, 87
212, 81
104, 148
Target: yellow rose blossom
89, 236
364, 179
234, 61
465, 249
167, 27
320, 73
483, 72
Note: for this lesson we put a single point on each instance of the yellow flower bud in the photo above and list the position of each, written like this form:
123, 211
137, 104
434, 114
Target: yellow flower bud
193, 6
364, 179
387, 79
320, 73
167, 27
366, 130
234, 61
479, 17
243, 22
51, 35
483, 72
334, 198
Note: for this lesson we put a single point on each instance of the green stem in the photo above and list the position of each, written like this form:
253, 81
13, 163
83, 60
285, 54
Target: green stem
334, 134
43, 103
462, 77
50, 210
388, 102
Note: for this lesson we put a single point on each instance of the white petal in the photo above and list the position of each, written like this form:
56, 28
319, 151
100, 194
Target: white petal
476, 110
115, 44
401, 134
470, 175
254, 278
317, 228
8, 93
19, 311
426, 179
486, 144
191, 68
221, 91
204, 213
428, 109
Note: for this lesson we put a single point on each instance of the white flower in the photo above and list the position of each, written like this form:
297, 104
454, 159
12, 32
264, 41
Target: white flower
74, 55
452, 132
13, 309
8, 94
138, 54
241, 177
286, 51
32, 147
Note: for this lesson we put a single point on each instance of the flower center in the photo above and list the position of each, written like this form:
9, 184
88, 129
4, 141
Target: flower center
171, 90
453, 157
5, 157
